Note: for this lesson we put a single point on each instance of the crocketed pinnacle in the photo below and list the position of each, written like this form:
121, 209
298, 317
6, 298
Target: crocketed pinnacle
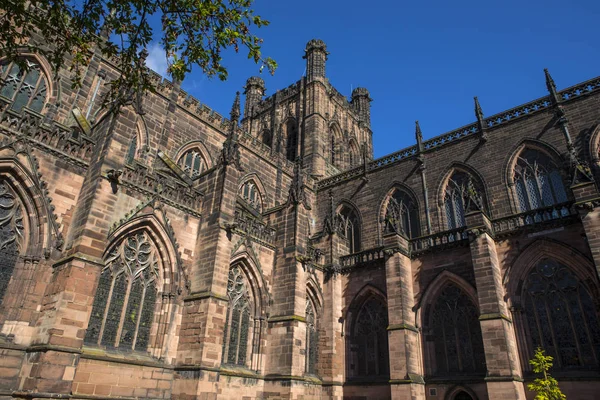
551, 86
235, 113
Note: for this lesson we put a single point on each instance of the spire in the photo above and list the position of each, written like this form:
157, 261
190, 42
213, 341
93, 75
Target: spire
480, 120
551, 86
419, 136
234, 115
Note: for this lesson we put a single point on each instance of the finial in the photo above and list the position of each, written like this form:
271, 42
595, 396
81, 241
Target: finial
551, 86
234, 115
419, 136
480, 119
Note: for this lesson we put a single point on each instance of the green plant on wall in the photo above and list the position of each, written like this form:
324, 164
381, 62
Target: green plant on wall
546, 388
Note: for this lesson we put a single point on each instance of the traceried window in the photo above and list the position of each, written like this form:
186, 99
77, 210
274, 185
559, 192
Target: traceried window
131, 151
291, 140
24, 87
312, 338
461, 190
561, 317
457, 334
11, 233
123, 308
249, 192
537, 181
401, 215
193, 163
350, 227
266, 138
369, 340
236, 344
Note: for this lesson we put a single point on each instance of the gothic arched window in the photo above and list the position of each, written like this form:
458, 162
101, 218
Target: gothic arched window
401, 215
23, 87
11, 232
266, 138
237, 336
350, 227
249, 192
561, 316
291, 140
456, 334
332, 151
192, 162
123, 308
312, 338
369, 340
537, 181
131, 151
460, 191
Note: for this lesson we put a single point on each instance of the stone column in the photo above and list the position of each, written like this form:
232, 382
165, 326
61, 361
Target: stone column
587, 200
406, 375
503, 369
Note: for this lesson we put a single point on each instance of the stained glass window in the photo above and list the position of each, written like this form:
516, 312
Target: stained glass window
561, 316
312, 338
124, 303
236, 347
350, 227
193, 163
401, 215
370, 340
537, 181
249, 192
291, 141
461, 190
24, 87
457, 334
11, 233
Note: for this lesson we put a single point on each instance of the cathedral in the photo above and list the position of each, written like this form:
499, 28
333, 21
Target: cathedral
162, 251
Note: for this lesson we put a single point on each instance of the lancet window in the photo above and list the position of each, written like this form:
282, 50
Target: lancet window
291, 141
193, 163
249, 192
369, 340
561, 316
457, 334
312, 338
24, 87
11, 234
401, 215
332, 151
125, 299
460, 192
236, 344
537, 181
131, 151
349, 227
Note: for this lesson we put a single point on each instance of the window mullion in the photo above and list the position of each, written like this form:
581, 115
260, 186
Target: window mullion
139, 318
110, 293
123, 312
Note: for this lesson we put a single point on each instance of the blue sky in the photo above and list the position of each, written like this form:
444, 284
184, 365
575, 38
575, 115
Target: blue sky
421, 60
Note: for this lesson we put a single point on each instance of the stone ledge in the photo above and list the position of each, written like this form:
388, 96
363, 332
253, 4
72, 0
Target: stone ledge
510, 378
286, 318
492, 316
205, 295
129, 359
398, 327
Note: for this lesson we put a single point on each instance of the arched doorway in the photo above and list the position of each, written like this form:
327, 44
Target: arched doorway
462, 395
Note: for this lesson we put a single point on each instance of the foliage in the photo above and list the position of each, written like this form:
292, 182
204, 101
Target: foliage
546, 388
194, 32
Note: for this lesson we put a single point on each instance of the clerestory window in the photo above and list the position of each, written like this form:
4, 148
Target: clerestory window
401, 215
193, 163
24, 87
249, 192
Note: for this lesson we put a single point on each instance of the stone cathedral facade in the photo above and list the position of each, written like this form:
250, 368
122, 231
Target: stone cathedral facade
165, 252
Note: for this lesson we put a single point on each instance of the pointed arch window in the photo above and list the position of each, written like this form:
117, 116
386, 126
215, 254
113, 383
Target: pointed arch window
349, 225
193, 162
131, 151
24, 87
312, 338
125, 299
236, 344
561, 316
401, 215
291, 141
332, 151
266, 138
537, 181
11, 234
456, 334
249, 192
369, 341
460, 191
